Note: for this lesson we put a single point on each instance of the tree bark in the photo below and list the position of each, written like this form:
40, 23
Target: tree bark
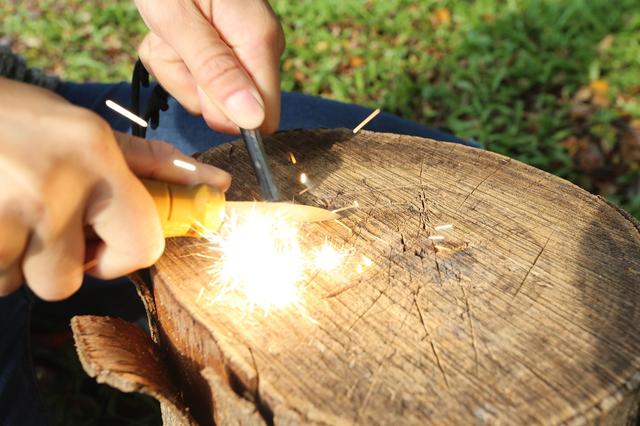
527, 312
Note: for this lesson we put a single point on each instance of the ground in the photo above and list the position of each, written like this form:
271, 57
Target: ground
553, 84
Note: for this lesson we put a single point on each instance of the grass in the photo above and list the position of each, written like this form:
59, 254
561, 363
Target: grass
555, 84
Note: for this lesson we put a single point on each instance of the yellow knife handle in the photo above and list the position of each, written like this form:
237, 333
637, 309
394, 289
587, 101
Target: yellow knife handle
187, 210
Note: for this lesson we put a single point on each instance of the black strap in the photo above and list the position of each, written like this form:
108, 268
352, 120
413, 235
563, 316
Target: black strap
157, 102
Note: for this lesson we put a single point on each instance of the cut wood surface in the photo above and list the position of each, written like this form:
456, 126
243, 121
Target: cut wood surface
527, 312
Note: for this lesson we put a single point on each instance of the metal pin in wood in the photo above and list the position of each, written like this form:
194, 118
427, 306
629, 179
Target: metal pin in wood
253, 142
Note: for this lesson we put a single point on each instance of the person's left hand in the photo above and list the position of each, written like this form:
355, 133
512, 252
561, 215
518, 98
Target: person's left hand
218, 58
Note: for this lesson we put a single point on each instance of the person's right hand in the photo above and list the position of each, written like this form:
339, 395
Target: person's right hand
62, 171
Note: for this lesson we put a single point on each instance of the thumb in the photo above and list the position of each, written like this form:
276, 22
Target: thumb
216, 69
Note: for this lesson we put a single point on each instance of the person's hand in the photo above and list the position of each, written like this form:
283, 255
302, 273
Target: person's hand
62, 171
218, 58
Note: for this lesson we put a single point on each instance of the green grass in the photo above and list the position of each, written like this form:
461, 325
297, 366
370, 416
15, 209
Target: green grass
555, 84
503, 72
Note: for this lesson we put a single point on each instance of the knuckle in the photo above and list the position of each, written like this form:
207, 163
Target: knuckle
61, 287
10, 252
270, 126
10, 280
162, 151
94, 131
274, 36
215, 68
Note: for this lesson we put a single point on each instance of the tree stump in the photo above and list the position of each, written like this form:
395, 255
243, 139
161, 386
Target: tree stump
527, 312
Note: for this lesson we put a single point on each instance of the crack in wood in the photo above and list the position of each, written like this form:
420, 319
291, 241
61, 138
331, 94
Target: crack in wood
262, 407
382, 292
497, 169
431, 340
471, 330
532, 266
384, 359
435, 259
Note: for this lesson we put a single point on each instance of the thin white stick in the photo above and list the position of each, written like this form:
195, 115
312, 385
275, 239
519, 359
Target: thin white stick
184, 165
436, 237
366, 120
444, 227
355, 205
126, 113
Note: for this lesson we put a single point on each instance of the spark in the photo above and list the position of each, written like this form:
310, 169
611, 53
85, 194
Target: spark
327, 258
355, 205
184, 165
366, 120
126, 113
304, 179
260, 261
292, 158
445, 227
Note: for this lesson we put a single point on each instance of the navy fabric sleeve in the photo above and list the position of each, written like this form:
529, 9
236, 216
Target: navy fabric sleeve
190, 134
20, 400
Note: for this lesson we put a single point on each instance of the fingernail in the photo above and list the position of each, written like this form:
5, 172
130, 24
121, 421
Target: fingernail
245, 109
213, 176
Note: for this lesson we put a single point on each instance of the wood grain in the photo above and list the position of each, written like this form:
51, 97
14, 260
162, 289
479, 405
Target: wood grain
121, 355
528, 312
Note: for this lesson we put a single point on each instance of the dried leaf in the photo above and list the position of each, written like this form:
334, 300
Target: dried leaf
583, 95
299, 76
599, 87
606, 43
580, 111
589, 157
356, 62
321, 46
630, 145
440, 16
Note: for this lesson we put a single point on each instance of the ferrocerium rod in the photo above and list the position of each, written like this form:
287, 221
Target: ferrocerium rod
253, 142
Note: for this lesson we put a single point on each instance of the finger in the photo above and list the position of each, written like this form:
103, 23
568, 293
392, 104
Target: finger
123, 215
214, 116
10, 279
264, 68
215, 68
13, 240
164, 162
258, 50
52, 264
167, 67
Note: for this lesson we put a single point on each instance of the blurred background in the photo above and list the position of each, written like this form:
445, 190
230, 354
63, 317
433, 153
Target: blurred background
552, 83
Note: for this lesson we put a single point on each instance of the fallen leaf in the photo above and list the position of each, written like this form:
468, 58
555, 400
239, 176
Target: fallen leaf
441, 16
356, 62
589, 157
571, 144
599, 87
600, 90
31, 41
288, 64
630, 145
583, 95
299, 76
606, 43
580, 110
321, 46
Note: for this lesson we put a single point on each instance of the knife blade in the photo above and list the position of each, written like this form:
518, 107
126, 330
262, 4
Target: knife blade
293, 212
